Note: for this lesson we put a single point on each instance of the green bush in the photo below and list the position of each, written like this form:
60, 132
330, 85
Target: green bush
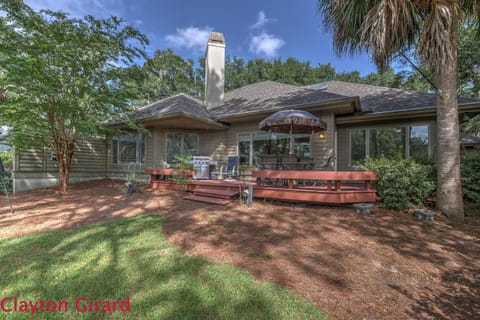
471, 176
7, 160
403, 182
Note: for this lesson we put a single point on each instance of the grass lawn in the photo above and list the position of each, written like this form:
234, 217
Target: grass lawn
131, 258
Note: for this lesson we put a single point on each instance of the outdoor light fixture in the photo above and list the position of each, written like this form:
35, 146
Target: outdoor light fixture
321, 135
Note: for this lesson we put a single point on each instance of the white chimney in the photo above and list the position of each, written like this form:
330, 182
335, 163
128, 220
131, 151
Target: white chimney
214, 70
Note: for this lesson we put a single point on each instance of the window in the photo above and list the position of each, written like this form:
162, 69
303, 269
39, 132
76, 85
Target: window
358, 145
393, 142
181, 144
418, 142
387, 142
128, 148
255, 145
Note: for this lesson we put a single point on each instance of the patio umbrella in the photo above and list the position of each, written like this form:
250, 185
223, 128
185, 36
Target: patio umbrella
292, 121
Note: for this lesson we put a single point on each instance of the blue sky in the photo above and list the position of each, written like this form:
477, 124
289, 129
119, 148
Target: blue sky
253, 29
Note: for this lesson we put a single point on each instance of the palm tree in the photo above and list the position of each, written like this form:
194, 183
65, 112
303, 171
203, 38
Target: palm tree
384, 28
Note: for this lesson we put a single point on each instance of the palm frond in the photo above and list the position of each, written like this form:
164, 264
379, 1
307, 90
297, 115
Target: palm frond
389, 26
438, 39
344, 18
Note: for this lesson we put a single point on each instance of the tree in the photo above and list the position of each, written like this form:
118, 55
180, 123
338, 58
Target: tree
385, 27
167, 74
65, 77
469, 61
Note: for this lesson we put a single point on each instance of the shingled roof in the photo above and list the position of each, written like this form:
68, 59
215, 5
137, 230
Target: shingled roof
382, 99
180, 103
273, 96
270, 96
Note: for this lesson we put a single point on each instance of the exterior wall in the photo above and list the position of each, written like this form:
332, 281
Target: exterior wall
213, 144
343, 139
322, 148
210, 143
34, 168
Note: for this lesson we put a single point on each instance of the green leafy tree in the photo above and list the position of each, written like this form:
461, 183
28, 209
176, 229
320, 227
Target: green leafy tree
167, 74
386, 27
65, 77
469, 61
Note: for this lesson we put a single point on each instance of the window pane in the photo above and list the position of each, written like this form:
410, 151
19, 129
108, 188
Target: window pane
419, 142
244, 148
280, 143
387, 142
128, 148
141, 149
358, 146
174, 146
114, 151
190, 144
301, 145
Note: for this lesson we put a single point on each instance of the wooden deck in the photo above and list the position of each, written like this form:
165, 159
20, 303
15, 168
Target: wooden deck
330, 187
335, 187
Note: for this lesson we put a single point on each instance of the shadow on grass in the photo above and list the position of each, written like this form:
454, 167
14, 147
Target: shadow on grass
130, 258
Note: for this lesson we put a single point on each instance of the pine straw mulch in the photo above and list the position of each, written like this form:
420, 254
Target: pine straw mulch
381, 266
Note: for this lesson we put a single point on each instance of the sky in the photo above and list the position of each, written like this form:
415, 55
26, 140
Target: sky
267, 29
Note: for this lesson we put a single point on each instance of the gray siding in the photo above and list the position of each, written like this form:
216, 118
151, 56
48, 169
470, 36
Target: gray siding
34, 168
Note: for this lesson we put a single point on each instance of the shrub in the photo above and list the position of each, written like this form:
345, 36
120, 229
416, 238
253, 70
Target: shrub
471, 176
182, 163
403, 182
7, 160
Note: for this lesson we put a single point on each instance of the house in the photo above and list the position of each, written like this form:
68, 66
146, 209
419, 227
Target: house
361, 120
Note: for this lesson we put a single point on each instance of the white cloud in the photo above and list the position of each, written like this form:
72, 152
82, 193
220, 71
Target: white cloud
262, 20
265, 44
190, 38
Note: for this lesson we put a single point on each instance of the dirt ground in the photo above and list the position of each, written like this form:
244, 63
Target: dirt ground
386, 265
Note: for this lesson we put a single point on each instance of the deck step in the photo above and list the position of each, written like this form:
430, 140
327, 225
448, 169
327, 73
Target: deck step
215, 193
211, 200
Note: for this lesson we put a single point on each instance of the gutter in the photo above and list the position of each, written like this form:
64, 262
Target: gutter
185, 115
402, 114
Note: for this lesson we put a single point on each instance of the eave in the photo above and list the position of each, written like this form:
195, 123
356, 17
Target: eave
401, 115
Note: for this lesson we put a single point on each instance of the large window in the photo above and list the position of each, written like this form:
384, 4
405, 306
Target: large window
128, 148
390, 142
181, 144
254, 145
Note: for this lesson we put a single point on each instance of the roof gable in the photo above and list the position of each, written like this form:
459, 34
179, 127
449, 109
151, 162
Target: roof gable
180, 103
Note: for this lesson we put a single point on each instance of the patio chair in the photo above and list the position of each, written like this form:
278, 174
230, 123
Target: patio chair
232, 167
328, 164
306, 163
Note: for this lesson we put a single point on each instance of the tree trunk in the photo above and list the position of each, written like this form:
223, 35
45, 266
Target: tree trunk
449, 185
64, 160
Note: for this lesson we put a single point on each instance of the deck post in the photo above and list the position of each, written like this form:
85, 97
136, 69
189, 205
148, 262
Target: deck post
250, 196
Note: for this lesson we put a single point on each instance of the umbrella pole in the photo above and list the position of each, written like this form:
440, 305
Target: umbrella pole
269, 141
